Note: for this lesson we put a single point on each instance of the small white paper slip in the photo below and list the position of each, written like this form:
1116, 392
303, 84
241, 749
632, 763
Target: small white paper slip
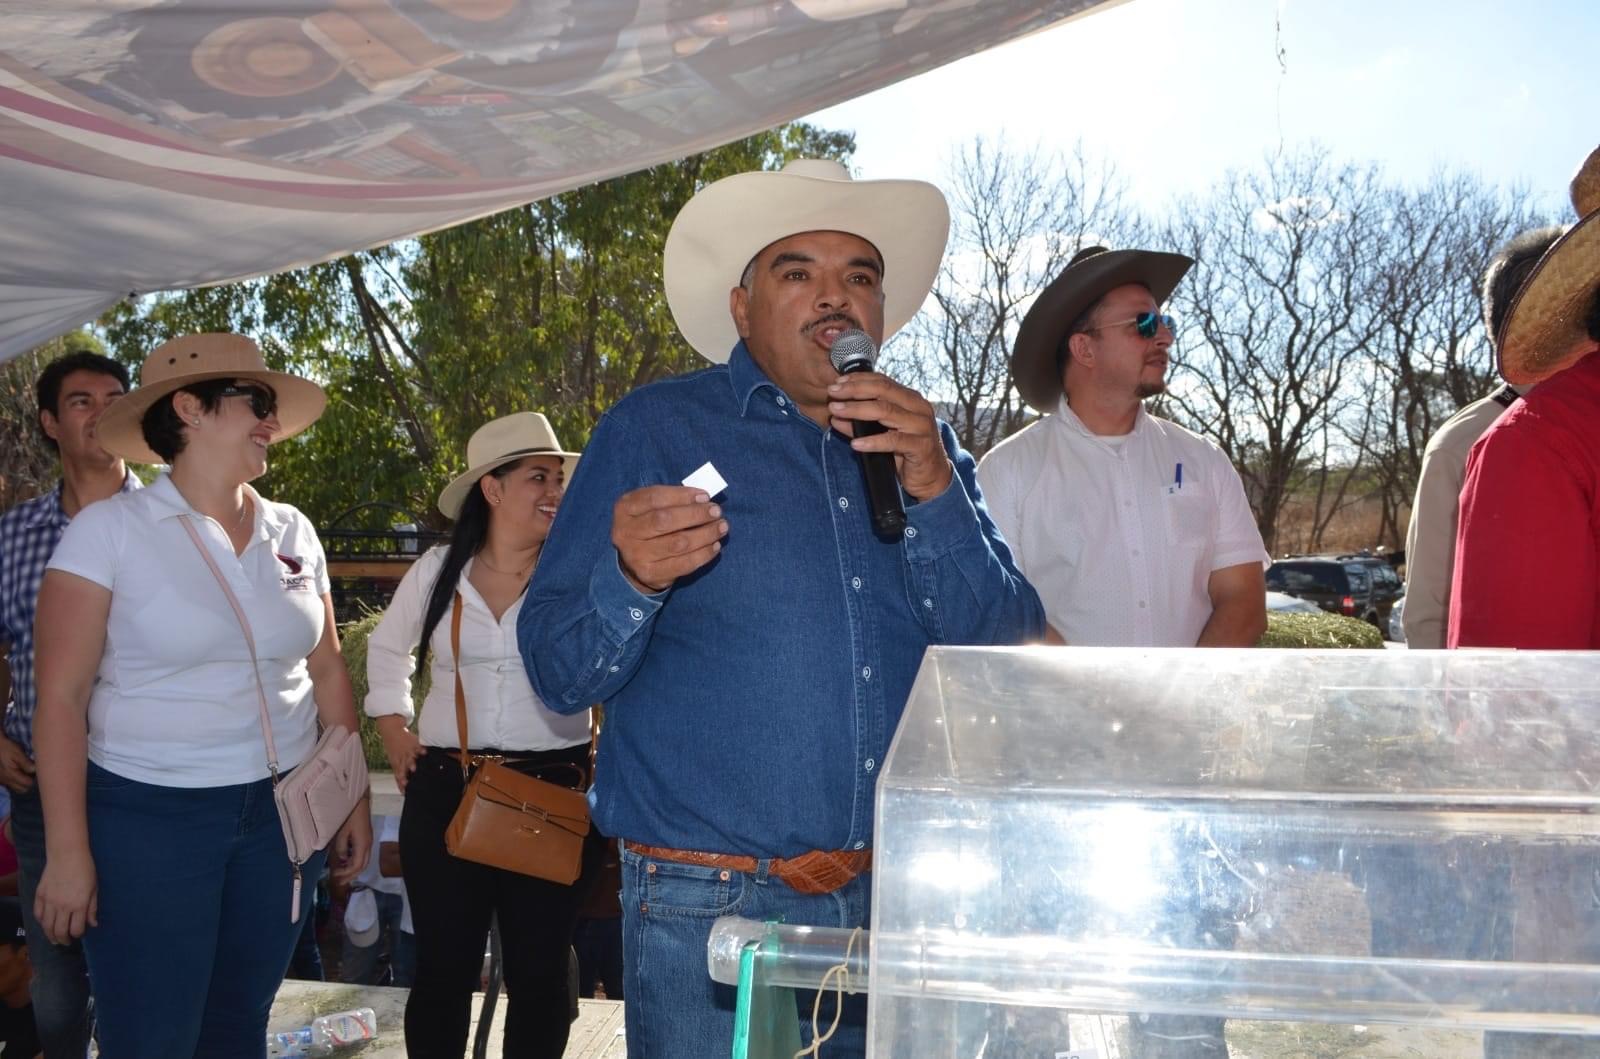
706, 478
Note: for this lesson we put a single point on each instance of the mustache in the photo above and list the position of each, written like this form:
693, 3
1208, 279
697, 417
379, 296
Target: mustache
831, 318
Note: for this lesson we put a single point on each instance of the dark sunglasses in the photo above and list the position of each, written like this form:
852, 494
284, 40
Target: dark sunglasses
263, 402
1147, 323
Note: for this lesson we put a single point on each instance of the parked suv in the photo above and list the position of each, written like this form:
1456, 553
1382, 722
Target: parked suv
1358, 586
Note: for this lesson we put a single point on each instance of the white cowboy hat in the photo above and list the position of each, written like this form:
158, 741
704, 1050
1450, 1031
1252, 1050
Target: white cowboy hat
501, 441
721, 229
195, 358
1544, 332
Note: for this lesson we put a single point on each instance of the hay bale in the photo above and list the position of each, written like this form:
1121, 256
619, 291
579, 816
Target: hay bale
1319, 630
353, 642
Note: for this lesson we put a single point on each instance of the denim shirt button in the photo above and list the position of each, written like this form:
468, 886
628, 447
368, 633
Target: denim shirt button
911, 531
866, 672
928, 603
855, 583
860, 845
781, 401
636, 614
843, 503
870, 765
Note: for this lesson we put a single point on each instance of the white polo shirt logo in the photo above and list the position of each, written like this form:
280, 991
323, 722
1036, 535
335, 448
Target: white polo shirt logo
295, 581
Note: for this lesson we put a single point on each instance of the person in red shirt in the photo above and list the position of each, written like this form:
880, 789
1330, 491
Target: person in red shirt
1527, 569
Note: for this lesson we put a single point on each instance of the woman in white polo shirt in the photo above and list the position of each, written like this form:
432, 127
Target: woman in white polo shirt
503, 507
164, 849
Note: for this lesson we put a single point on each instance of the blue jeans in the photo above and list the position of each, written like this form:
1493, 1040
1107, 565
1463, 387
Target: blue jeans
60, 973
194, 933
673, 1007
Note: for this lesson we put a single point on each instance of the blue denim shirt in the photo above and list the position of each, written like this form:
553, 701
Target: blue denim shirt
749, 707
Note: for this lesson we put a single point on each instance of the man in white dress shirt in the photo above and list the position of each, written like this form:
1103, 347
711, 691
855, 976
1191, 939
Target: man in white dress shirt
1134, 530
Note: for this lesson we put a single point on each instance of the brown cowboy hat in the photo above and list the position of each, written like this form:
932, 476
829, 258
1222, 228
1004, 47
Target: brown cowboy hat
1092, 272
195, 358
1544, 331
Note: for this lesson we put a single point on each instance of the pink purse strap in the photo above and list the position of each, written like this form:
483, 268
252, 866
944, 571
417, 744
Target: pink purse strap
249, 639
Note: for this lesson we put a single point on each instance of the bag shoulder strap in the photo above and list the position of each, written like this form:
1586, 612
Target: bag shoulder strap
461, 694
250, 641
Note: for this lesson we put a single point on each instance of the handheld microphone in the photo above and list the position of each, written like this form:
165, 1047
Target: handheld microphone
851, 352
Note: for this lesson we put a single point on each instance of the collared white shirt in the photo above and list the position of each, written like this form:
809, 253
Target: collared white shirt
502, 710
1120, 535
175, 703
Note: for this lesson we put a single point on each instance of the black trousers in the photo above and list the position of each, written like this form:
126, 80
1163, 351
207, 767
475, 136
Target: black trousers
451, 902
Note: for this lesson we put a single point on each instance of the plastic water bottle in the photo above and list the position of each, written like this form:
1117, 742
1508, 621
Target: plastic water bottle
290, 1045
329, 1033
326, 1035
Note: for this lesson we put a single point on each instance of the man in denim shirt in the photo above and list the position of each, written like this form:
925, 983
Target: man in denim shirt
754, 644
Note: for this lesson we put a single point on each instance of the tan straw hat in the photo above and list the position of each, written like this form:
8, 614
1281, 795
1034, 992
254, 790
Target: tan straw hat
196, 358
1544, 329
501, 441
721, 229
1092, 272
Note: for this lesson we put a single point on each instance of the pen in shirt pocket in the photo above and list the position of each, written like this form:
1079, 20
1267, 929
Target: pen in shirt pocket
1177, 476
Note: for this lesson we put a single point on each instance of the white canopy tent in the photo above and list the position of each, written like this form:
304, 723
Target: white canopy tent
151, 146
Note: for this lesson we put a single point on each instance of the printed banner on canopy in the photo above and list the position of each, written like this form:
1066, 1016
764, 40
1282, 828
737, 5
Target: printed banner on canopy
150, 146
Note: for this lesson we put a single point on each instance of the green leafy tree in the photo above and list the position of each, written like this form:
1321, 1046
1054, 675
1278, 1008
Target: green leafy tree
30, 467
555, 306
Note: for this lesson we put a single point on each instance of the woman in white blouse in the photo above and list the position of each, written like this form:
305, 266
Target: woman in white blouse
503, 507
164, 849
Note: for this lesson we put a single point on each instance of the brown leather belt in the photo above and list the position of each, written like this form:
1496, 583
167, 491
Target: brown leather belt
817, 872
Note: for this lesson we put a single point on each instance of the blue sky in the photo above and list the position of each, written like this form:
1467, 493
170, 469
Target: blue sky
1175, 92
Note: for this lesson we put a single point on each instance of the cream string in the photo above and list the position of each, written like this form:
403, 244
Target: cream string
841, 971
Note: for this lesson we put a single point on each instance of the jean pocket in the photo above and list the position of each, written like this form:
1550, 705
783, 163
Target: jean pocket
673, 889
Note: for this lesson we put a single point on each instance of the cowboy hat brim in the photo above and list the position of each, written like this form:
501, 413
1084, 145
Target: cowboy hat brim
721, 229
1543, 332
1033, 357
119, 431
455, 494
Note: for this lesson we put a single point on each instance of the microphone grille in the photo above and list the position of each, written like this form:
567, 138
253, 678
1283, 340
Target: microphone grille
852, 347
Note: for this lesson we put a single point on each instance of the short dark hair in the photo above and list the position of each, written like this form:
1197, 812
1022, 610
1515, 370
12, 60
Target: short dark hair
1508, 270
1083, 323
163, 428
47, 389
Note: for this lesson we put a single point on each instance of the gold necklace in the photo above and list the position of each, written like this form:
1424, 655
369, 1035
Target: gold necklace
508, 573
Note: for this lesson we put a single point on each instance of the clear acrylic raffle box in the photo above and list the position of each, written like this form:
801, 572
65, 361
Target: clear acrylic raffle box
1350, 839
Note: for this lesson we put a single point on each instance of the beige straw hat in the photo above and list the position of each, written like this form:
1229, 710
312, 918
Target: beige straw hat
728, 223
501, 441
196, 358
1544, 330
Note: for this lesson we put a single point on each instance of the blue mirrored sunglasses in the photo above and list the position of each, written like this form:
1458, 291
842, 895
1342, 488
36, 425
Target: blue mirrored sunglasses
1147, 323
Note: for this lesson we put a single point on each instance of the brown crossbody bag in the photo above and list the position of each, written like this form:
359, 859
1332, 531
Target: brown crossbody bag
510, 820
